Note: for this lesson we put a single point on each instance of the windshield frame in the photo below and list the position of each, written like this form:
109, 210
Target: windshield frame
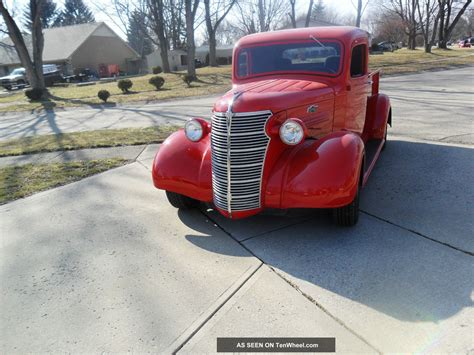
288, 72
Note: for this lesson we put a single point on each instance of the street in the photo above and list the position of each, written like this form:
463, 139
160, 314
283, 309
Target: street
442, 96
107, 265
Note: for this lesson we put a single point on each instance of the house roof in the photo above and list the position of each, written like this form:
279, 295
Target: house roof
60, 43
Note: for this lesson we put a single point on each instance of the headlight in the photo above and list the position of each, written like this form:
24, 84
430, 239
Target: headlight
291, 132
193, 130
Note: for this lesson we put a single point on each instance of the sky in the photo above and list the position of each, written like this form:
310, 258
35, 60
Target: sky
344, 6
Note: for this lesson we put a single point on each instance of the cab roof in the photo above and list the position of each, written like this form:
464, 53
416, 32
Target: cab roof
345, 34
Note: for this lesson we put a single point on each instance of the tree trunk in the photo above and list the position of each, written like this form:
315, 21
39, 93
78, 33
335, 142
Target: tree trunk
33, 66
261, 16
157, 11
190, 45
359, 13
308, 14
293, 13
37, 40
212, 49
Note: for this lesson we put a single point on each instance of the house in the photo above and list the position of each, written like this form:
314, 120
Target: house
223, 54
177, 59
76, 47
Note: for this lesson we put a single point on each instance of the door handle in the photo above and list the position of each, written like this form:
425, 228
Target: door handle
370, 82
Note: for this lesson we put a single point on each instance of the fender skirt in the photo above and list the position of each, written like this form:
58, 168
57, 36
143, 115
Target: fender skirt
184, 167
317, 174
378, 116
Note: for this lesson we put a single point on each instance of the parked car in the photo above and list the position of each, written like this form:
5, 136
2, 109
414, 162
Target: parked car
198, 63
387, 46
293, 132
464, 43
52, 74
16, 78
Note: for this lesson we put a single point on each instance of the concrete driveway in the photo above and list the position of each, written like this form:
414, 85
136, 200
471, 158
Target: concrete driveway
106, 265
443, 96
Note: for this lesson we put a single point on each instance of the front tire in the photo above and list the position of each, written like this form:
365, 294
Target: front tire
180, 201
348, 215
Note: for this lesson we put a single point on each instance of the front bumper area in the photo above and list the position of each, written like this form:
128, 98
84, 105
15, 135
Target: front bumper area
321, 173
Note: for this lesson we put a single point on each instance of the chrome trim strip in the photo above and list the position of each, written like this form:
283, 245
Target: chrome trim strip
229, 116
241, 114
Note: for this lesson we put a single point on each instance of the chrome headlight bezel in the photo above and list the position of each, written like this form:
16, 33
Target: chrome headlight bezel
292, 132
194, 130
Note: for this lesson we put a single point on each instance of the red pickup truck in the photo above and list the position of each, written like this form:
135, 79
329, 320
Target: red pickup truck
302, 127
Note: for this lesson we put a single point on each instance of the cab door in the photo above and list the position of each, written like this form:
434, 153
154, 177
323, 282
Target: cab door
358, 88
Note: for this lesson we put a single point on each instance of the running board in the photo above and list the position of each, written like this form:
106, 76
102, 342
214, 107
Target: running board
373, 148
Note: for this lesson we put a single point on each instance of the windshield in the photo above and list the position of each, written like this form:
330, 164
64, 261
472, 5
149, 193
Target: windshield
309, 56
18, 71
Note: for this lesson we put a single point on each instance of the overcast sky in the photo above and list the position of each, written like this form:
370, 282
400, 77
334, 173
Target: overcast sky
344, 6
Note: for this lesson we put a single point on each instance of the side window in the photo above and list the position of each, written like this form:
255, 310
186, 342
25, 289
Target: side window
358, 60
243, 65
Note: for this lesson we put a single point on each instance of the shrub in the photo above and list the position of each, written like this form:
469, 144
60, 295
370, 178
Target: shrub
34, 94
103, 95
157, 82
125, 85
188, 79
157, 70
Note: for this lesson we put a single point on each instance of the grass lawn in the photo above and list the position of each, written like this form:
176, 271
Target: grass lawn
407, 61
217, 80
210, 81
21, 181
88, 139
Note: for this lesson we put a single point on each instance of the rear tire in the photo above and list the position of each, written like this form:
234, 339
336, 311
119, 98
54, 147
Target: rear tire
348, 215
180, 201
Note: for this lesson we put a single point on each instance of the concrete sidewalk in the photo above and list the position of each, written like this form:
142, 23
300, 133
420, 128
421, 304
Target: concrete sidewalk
132, 152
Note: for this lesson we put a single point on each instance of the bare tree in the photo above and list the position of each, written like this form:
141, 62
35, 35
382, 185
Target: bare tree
360, 9
260, 15
33, 63
191, 7
309, 13
446, 25
175, 23
156, 8
428, 15
292, 13
407, 11
215, 14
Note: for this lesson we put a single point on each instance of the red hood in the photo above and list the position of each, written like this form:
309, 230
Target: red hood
275, 95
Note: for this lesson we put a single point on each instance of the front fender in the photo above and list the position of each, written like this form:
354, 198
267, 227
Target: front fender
184, 167
321, 173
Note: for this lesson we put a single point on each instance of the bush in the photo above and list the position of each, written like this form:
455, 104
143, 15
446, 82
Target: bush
125, 85
157, 82
103, 95
157, 70
34, 94
188, 79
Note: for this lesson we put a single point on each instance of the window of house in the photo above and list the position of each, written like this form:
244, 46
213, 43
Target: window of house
358, 60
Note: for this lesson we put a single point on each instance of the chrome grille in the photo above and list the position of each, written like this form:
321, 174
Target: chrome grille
238, 148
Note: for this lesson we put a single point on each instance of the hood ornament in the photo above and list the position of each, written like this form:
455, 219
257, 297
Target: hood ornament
312, 108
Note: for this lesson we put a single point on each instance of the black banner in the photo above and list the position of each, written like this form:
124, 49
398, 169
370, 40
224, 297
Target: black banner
276, 345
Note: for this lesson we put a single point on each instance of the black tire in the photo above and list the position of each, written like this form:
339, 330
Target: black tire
180, 201
347, 216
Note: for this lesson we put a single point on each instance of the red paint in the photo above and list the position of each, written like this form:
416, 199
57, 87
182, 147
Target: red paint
325, 169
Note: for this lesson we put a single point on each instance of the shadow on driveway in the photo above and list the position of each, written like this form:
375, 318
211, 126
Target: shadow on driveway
380, 263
